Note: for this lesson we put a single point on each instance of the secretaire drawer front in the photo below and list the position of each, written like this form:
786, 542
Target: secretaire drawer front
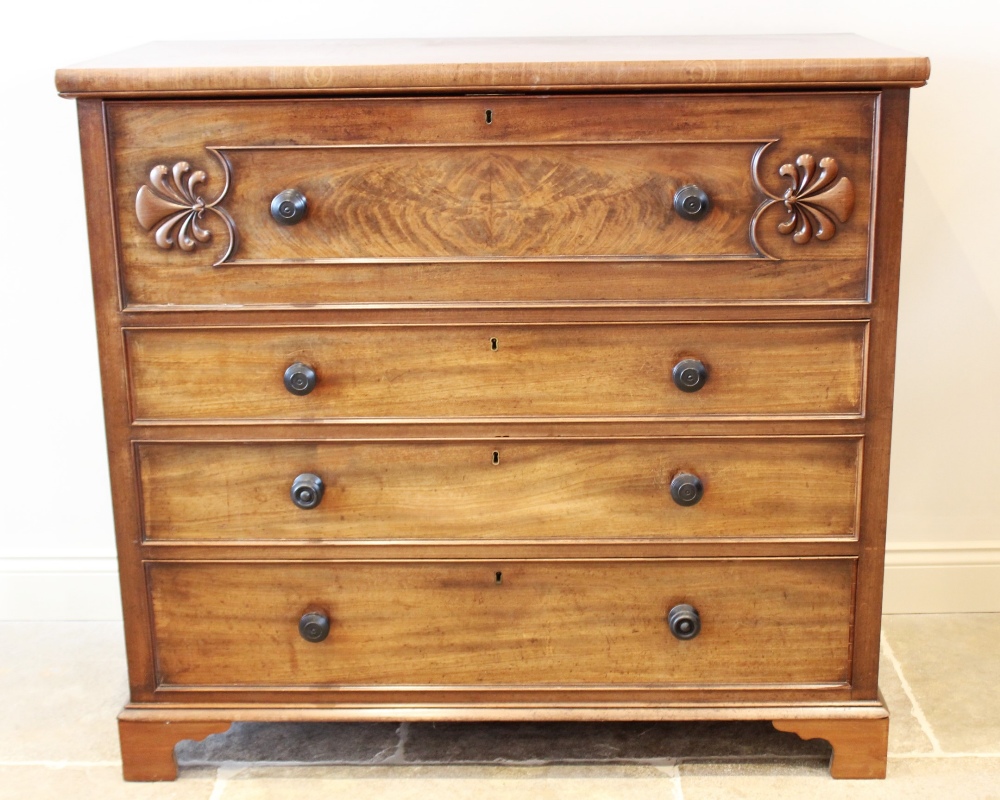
501, 371
686, 197
482, 623
501, 490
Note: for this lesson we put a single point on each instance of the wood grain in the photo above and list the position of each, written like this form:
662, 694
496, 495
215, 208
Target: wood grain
452, 371
554, 623
754, 488
148, 746
114, 388
557, 199
893, 115
860, 746
536, 587
461, 65
479, 202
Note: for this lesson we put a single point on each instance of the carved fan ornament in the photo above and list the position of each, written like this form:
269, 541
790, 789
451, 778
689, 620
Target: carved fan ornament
171, 203
815, 201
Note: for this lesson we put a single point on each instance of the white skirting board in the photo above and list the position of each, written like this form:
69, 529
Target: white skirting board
942, 577
920, 578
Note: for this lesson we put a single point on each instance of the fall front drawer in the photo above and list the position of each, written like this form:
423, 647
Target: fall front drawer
469, 371
501, 489
494, 199
767, 621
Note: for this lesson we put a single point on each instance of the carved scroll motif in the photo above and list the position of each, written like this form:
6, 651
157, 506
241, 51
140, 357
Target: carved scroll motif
171, 203
816, 202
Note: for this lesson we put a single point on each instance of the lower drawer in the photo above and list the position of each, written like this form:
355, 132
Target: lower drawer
479, 623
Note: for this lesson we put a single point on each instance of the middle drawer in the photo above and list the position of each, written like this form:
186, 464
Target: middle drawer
499, 371
501, 489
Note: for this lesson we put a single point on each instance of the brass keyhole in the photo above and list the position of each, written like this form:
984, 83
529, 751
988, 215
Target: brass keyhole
489, 116
494, 344
496, 457
499, 577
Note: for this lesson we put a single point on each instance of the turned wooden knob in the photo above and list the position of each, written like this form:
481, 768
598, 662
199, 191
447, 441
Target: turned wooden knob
691, 202
686, 489
300, 378
314, 626
307, 490
689, 375
288, 207
684, 621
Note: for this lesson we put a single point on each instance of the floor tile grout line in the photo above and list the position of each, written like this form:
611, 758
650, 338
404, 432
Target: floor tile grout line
676, 781
915, 708
222, 775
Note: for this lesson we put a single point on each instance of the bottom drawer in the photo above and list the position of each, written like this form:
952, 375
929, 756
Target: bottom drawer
542, 623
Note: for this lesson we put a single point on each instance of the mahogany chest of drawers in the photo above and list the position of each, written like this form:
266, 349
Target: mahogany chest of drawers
540, 380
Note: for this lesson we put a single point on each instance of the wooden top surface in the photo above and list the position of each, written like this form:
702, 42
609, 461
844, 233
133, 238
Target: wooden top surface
365, 66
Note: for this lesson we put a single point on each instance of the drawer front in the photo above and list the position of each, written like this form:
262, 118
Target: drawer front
553, 199
501, 490
478, 623
503, 371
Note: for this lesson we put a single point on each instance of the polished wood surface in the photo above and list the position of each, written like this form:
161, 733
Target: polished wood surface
882, 370
456, 65
787, 290
860, 746
560, 623
479, 202
453, 371
557, 199
148, 746
501, 490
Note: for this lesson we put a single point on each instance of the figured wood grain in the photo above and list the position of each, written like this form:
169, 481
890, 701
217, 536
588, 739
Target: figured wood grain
754, 488
553, 623
453, 371
429, 203
528, 64
557, 199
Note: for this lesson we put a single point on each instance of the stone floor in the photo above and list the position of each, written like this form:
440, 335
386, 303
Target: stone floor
61, 685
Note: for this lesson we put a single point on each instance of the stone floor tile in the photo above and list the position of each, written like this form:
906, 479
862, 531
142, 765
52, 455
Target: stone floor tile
905, 733
534, 742
324, 742
924, 778
952, 663
99, 783
62, 685
451, 782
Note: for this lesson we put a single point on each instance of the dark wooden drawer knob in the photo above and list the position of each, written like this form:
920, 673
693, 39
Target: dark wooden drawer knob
689, 375
686, 489
300, 378
314, 626
288, 207
691, 202
307, 490
684, 621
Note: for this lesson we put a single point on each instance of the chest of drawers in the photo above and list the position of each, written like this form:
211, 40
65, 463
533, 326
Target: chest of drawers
542, 380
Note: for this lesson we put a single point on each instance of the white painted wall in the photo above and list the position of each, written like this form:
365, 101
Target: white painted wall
56, 544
